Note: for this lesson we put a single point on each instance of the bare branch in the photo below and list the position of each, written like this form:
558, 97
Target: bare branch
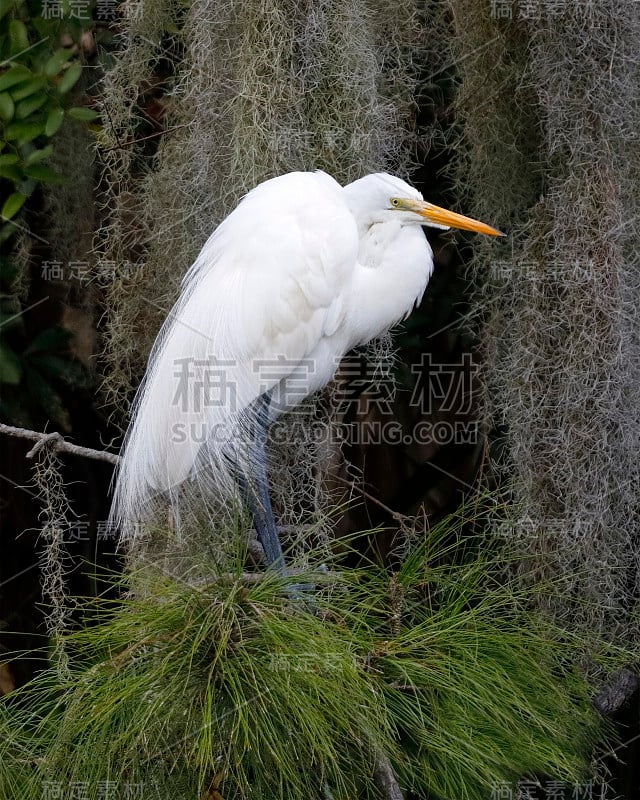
58, 444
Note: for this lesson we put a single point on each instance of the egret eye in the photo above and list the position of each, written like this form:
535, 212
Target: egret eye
394, 202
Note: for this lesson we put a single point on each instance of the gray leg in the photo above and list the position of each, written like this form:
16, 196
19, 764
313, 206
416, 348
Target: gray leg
255, 489
255, 493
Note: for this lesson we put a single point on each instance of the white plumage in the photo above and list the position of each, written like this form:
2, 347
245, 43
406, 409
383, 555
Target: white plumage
298, 274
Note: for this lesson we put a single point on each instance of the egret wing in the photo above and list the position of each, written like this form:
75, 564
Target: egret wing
266, 289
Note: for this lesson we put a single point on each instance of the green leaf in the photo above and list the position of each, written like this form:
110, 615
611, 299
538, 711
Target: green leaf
7, 231
83, 113
6, 106
6, 6
8, 272
12, 205
76, 375
13, 409
47, 397
13, 76
23, 132
18, 36
39, 172
8, 158
54, 121
26, 108
11, 172
70, 78
25, 89
36, 155
9, 320
57, 61
61, 370
55, 338
10, 366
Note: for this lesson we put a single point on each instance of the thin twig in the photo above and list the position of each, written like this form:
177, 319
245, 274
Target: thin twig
320, 576
143, 138
353, 485
58, 443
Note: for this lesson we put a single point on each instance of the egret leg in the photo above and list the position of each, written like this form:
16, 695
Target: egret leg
255, 489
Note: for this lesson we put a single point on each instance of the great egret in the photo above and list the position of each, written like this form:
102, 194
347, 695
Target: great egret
298, 274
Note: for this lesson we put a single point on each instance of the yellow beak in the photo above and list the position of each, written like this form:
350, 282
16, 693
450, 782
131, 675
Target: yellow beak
440, 216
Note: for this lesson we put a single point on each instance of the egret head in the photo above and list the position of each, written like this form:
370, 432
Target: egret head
384, 198
428, 214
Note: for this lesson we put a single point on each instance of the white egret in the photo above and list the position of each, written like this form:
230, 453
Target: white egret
299, 273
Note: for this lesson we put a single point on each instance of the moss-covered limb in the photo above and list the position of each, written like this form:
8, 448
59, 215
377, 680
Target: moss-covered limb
497, 146
549, 112
57, 443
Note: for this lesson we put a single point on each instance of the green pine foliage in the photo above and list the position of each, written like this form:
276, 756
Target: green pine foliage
254, 687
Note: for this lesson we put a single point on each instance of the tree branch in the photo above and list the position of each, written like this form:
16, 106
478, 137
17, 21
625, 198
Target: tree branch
385, 778
615, 694
58, 444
